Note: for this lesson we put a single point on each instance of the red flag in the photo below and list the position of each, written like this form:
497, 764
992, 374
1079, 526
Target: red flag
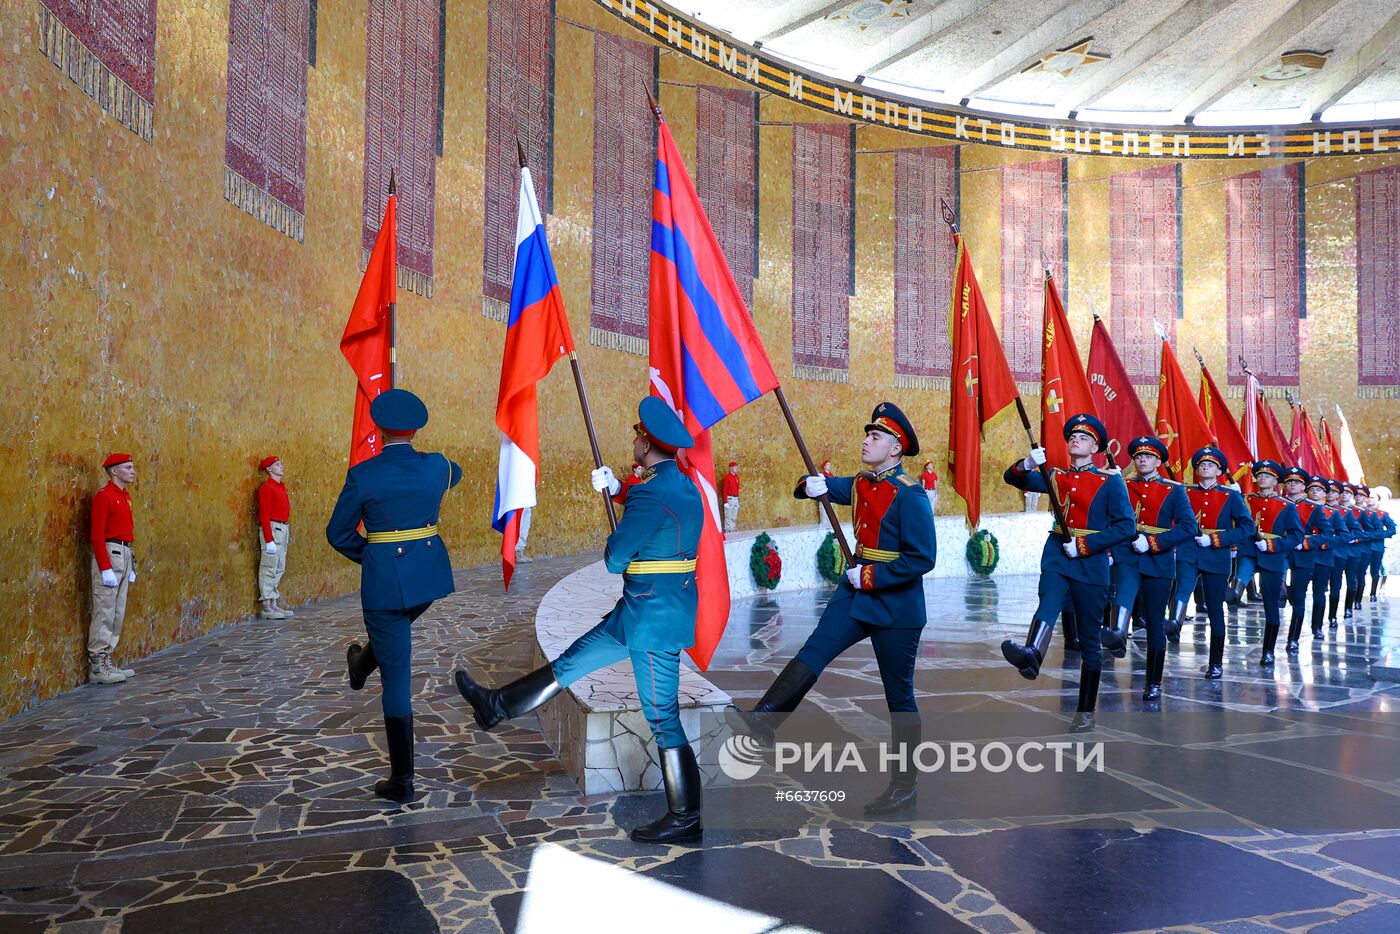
1276, 435
1180, 423
707, 360
982, 382
1117, 401
1226, 432
366, 341
1298, 445
1064, 389
1332, 452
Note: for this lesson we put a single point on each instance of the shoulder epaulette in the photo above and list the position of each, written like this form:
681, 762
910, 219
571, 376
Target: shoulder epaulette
907, 480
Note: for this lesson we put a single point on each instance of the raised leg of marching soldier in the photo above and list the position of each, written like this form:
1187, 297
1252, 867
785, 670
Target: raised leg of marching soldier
1186, 588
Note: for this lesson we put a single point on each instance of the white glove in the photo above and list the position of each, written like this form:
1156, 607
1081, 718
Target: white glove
1034, 459
604, 481
131, 577
109, 578
1262, 546
1140, 545
272, 548
1115, 470
1298, 547
815, 486
1071, 549
1110, 559
1203, 541
853, 576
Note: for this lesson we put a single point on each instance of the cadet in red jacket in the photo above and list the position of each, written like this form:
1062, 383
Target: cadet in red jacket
113, 568
274, 514
729, 489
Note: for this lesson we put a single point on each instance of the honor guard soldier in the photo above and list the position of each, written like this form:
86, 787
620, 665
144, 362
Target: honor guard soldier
1326, 550
653, 548
1224, 524
1074, 564
1145, 567
1346, 532
881, 599
1386, 527
1305, 554
397, 496
1278, 529
1361, 551
274, 514
113, 568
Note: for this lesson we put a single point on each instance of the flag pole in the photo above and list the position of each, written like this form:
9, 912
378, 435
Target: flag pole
951, 219
807, 462
393, 307
582, 394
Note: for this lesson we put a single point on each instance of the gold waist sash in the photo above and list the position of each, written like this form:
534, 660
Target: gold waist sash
402, 535
661, 567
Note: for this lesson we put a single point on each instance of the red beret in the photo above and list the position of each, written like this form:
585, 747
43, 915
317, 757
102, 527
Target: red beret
115, 459
733, 463
268, 461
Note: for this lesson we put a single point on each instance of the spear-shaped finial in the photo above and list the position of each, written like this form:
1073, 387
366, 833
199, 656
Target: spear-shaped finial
651, 99
1199, 359
392, 187
949, 218
1045, 263
1160, 329
520, 151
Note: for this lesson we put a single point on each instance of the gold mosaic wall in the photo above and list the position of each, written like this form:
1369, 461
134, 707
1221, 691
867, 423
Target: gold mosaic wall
146, 313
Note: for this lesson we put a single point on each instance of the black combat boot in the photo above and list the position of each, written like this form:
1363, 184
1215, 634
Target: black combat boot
681, 776
492, 705
1214, 669
906, 731
782, 697
1083, 720
1069, 625
1266, 657
1115, 638
399, 785
1175, 622
1156, 658
360, 662
1029, 657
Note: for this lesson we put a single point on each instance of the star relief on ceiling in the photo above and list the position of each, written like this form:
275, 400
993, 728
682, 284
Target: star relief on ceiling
1065, 61
865, 13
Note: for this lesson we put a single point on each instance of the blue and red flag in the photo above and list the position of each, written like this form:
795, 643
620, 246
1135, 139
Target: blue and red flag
537, 334
707, 359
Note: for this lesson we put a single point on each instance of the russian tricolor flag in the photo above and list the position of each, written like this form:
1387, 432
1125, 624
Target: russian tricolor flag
707, 359
537, 334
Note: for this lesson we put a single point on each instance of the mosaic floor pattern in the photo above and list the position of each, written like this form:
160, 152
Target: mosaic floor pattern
226, 788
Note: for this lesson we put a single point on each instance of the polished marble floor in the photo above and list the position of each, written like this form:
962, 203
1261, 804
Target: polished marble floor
226, 788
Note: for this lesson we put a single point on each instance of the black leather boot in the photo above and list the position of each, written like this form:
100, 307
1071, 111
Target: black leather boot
1029, 657
1115, 638
1214, 671
1252, 591
399, 785
1233, 589
1156, 658
681, 776
492, 705
1295, 629
1266, 657
1083, 720
903, 789
360, 663
782, 697
1069, 625
1175, 622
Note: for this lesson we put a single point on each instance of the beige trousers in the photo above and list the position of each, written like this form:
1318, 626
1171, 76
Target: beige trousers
109, 603
272, 567
731, 513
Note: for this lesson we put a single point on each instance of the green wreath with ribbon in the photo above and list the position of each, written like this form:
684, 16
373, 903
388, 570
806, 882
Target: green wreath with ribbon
983, 552
831, 564
765, 563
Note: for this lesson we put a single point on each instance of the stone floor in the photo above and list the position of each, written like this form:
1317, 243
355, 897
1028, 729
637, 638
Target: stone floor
226, 788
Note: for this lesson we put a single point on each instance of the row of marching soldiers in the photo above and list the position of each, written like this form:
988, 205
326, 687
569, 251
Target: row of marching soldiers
1156, 541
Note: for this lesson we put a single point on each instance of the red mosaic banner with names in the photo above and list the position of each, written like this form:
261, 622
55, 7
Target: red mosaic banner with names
401, 108
519, 106
823, 169
1144, 232
1378, 282
265, 127
923, 265
107, 48
1264, 274
1034, 230
726, 176
624, 176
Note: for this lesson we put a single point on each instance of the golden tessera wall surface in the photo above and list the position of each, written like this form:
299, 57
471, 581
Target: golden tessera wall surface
146, 313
